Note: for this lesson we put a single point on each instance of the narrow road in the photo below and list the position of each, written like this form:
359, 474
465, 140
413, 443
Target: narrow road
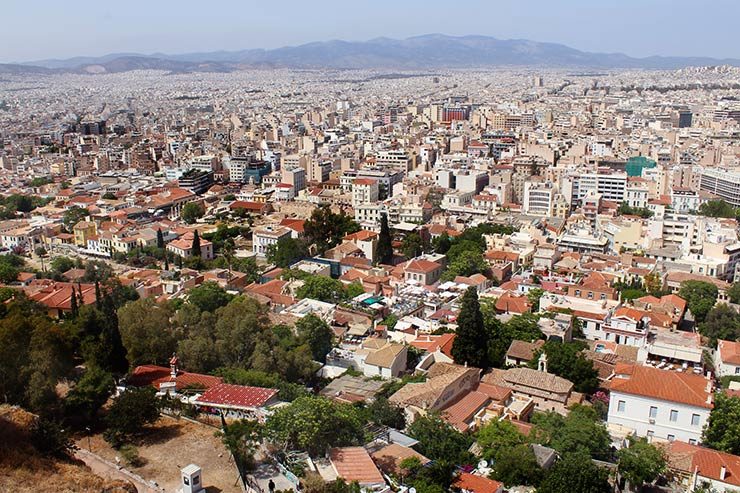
108, 470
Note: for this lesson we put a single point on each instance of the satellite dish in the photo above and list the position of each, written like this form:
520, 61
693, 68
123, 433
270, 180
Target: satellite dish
483, 464
412, 490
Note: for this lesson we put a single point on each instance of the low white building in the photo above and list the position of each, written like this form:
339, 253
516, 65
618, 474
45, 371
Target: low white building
660, 404
727, 358
265, 236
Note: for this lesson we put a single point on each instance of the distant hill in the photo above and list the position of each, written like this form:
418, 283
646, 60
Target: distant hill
432, 51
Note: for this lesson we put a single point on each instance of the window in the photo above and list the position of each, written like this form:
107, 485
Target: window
671, 438
695, 420
692, 441
650, 433
620, 406
737, 370
674, 415
653, 412
186, 481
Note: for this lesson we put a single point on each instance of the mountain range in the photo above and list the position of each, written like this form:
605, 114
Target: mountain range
431, 51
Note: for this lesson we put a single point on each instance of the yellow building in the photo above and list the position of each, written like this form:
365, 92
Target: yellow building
83, 231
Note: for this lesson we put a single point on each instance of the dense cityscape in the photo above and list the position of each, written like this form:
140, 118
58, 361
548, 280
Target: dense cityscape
483, 280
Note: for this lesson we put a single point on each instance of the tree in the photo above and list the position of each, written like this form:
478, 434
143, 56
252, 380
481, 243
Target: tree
242, 438
237, 327
49, 360
160, 239
442, 243
130, 412
97, 271
72, 216
722, 322
581, 431
354, 289
567, 360
195, 249
575, 473
147, 332
317, 334
209, 296
717, 208
89, 394
654, 283
48, 437
641, 462
471, 342
517, 466
326, 229
286, 251
383, 413
438, 440
412, 245
314, 424
466, 263
700, 297
321, 288
498, 435
62, 264
191, 212
723, 427
534, 295
109, 196
8, 273
384, 250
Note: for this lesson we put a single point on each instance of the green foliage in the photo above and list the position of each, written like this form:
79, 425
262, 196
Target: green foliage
520, 327
191, 212
353, 290
581, 431
317, 334
72, 216
466, 263
517, 465
390, 321
242, 438
471, 343
109, 196
322, 288
286, 251
384, 250
413, 245
209, 296
625, 210
576, 473
147, 331
326, 229
718, 208
631, 294
130, 412
15, 203
534, 295
10, 267
641, 462
314, 424
130, 455
438, 440
567, 360
442, 243
97, 271
62, 264
700, 297
723, 428
89, 395
498, 435
49, 438
286, 391
722, 322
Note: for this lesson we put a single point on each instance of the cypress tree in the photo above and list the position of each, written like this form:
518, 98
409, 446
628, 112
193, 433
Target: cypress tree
160, 239
471, 340
384, 252
166, 263
98, 298
196, 244
73, 303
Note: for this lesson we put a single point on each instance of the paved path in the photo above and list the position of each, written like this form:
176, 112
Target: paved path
108, 470
265, 472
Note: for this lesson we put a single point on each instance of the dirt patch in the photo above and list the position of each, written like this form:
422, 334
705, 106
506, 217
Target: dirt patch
169, 445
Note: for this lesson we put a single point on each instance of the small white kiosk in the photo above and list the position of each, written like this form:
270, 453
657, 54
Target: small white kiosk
192, 479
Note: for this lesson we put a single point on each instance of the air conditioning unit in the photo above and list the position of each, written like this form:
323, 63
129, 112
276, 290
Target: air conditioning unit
651, 421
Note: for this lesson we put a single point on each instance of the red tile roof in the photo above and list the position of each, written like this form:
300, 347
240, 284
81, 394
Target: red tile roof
706, 461
355, 464
236, 396
477, 484
646, 381
155, 375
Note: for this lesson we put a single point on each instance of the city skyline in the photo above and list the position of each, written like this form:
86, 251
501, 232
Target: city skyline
244, 25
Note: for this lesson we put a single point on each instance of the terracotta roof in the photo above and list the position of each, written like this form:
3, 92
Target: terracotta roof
463, 409
389, 458
477, 484
729, 352
431, 343
362, 235
424, 266
523, 350
154, 375
690, 458
385, 356
646, 381
237, 396
495, 392
355, 464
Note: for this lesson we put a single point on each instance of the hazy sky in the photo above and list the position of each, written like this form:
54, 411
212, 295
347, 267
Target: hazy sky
38, 29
